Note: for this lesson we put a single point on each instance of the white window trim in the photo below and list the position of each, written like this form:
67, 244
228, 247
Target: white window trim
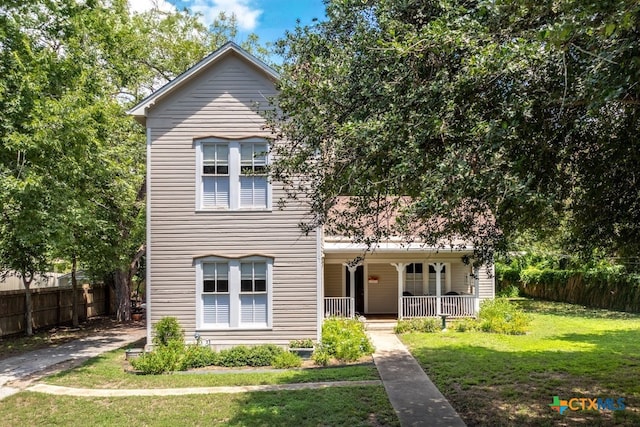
234, 175
234, 294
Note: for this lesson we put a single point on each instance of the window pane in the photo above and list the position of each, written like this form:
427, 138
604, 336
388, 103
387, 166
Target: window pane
246, 153
418, 268
209, 271
222, 270
260, 270
246, 285
223, 285
209, 285
222, 154
260, 309
209, 152
410, 268
260, 153
215, 309
253, 309
222, 170
261, 285
215, 191
208, 169
253, 192
246, 270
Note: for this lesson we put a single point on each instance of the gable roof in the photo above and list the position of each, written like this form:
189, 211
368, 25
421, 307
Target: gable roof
140, 110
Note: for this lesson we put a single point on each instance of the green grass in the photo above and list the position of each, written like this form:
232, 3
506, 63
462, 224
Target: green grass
570, 351
349, 406
108, 371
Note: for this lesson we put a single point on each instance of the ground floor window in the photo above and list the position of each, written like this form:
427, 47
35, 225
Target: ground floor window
233, 293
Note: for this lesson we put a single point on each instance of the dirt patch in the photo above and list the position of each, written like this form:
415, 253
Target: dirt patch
52, 337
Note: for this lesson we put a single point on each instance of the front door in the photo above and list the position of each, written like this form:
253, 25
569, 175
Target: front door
359, 285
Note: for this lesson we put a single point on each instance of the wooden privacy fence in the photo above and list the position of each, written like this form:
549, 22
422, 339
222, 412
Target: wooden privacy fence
51, 306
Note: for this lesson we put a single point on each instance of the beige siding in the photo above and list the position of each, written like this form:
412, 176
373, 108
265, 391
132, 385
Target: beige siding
486, 282
333, 286
221, 102
460, 280
383, 296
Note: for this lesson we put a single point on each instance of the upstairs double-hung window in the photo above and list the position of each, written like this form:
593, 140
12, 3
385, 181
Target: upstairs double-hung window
215, 175
232, 175
253, 175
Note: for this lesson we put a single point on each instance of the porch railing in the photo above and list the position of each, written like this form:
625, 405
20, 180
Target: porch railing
339, 307
427, 306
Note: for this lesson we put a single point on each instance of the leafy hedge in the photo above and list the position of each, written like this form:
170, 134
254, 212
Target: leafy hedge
609, 287
171, 354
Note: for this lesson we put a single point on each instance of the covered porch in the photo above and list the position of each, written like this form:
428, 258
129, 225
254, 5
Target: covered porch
401, 282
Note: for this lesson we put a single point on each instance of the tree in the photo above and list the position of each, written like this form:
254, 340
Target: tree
71, 160
465, 121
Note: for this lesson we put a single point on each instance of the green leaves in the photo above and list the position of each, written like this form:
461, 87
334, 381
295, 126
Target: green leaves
490, 117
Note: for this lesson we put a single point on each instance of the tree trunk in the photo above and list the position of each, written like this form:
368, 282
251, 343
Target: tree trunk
123, 296
28, 309
74, 293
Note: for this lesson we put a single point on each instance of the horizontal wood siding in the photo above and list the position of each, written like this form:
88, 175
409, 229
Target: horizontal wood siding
486, 282
460, 277
333, 286
382, 296
221, 102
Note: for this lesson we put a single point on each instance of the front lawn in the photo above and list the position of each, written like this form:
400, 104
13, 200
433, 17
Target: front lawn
358, 406
349, 406
570, 351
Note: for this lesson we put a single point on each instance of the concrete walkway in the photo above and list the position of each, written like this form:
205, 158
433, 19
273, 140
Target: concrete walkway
414, 397
83, 392
19, 371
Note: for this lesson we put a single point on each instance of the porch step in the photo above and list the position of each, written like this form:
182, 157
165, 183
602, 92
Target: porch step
381, 325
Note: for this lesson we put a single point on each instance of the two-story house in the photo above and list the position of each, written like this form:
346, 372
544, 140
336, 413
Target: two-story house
232, 266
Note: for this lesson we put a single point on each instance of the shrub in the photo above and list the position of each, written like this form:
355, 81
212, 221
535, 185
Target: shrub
305, 343
167, 330
262, 355
287, 359
418, 324
502, 317
321, 357
166, 358
345, 339
197, 356
466, 324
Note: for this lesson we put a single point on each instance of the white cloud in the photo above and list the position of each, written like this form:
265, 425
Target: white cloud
246, 14
138, 6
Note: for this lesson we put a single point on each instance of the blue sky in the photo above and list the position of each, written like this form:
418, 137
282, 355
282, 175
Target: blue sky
267, 18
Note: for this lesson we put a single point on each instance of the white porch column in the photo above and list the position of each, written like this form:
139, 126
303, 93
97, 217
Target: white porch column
438, 266
476, 289
400, 268
352, 287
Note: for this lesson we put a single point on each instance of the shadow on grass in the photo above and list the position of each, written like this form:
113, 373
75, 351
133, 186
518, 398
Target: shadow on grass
352, 406
516, 387
574, 310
